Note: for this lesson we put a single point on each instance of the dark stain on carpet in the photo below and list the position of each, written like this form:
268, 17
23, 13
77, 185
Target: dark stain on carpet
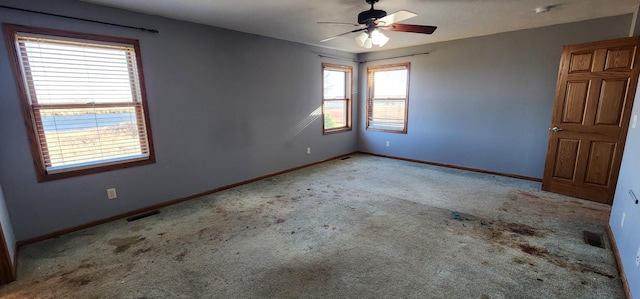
141, 251
300, 279
529, 195
496, 227
522, 229
518, 236
462, 217
82, 280
532, 250
122, 244
180, 257
137, 228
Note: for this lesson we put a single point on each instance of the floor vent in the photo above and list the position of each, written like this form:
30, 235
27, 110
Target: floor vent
143, 215
593, 239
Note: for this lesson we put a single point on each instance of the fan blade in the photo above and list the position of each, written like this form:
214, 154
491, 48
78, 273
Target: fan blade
412, 28
339, 23
341, 34
396, 17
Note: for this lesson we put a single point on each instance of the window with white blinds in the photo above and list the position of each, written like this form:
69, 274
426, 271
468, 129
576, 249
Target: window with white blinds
388, 97
85, 99
336, 98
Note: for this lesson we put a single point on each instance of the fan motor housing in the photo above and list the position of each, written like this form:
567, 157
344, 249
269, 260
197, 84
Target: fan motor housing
370, 15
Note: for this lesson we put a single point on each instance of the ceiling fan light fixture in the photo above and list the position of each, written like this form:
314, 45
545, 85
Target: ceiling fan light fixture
368, 44
370, 20
375, 36
383, 41
362, 38
378, 39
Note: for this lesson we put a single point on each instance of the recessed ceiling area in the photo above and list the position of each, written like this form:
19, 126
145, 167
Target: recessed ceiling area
297, 21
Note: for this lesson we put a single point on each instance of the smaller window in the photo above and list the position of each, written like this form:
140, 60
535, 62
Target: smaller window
388, 98
336, 98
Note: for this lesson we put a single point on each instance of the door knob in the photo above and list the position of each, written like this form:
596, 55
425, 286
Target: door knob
556, 129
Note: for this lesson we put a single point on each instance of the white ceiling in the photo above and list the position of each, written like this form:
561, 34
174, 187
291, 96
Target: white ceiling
296, 20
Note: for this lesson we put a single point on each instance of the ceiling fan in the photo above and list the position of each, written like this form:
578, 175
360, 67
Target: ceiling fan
373, 19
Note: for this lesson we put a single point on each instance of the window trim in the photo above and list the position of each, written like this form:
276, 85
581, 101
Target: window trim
387, 67
10, 31
348, 92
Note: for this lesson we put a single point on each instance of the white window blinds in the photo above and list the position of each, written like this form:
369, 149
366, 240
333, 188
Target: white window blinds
85, 99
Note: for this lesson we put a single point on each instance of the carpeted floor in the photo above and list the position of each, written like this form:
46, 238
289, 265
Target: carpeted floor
363, 227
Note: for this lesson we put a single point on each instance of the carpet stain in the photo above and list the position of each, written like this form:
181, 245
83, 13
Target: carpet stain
77, 277
532, 250
203, 231
517, 235
496, 228
541, 207
462, 217
529, 195
83, 280
122, 244
519, 260
523, 229
137, 228
299, 279
180, 257
141, 251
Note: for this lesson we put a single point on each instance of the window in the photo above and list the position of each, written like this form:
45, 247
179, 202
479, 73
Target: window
336, 98
388, 97
83, 100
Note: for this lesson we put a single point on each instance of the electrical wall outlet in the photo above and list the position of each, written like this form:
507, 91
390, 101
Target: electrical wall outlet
634, 121
624, 215
388, 143
111, 193
308, 151
638, 258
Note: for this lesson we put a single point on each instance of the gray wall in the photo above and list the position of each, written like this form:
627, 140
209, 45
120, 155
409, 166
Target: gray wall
484, 102
225, 107
7, 228
635, 25
626, 234
625, 213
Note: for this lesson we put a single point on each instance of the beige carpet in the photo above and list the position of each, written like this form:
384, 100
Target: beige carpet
363, 227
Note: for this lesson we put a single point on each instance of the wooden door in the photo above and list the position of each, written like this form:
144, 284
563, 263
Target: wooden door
594, 96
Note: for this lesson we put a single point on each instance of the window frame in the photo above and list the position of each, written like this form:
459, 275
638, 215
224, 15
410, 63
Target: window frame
10, 35
348, 97
371, 70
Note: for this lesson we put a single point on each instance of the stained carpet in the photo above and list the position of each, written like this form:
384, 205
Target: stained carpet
364, 227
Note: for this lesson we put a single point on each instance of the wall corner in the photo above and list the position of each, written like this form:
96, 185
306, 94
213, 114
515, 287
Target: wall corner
635, 25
